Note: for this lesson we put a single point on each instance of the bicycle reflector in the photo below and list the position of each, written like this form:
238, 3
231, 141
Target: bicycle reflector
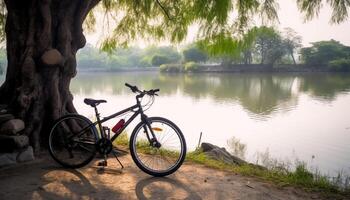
157, 129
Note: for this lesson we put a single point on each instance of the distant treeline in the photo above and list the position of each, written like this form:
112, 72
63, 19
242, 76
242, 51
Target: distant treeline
259, 46
91, 57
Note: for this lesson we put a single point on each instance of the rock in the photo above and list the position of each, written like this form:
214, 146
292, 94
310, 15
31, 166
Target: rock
9, 144
8, 159
5, 117
208, 147
12, 126
26, 155
218, 153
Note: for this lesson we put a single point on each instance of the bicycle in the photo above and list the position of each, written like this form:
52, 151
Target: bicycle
156, 145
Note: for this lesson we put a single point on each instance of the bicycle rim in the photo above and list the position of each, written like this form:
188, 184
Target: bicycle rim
158, 161
72, 141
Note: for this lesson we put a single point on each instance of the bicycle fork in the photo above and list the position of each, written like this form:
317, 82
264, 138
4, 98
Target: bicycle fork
153, 141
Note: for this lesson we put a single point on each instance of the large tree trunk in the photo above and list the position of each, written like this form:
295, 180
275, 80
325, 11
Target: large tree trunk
42, 38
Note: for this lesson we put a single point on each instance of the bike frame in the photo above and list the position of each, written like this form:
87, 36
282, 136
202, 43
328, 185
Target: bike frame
139, 111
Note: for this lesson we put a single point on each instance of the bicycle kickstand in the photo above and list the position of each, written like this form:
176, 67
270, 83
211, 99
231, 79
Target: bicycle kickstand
116, 157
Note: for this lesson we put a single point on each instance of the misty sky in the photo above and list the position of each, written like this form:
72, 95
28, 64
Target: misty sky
289, 16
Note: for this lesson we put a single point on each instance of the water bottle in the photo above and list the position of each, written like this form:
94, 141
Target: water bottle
118, 126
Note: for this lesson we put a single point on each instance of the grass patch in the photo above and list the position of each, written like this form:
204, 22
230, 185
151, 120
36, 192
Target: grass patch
279, 174
122, 140
300, 177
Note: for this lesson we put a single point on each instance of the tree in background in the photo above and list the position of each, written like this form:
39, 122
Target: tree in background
292, 42
321, 53
43, 37
162, 55
158, 60
268, 45
194, 54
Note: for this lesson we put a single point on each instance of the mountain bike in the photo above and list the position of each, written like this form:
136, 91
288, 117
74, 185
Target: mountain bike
157, 145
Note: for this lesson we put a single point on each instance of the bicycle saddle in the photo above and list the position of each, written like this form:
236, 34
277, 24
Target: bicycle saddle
93, 102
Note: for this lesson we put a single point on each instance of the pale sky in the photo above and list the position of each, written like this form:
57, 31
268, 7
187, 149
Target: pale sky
289, 16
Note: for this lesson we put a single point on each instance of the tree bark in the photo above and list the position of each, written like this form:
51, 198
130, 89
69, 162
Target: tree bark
42, 39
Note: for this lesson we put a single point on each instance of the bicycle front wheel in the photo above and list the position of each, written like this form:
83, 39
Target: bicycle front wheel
72, 141
160, 155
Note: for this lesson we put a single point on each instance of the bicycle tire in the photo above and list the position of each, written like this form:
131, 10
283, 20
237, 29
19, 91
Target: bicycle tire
62, 149
137, 148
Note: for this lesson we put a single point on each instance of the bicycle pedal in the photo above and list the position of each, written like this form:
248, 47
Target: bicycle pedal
102, 163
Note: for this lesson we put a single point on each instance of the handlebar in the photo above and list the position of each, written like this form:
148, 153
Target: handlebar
134, 89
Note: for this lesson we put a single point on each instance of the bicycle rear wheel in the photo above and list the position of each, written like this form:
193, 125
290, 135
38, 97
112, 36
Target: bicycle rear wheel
158, 156
72, 141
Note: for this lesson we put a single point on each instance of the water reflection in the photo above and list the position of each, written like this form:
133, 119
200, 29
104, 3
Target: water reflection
260, 94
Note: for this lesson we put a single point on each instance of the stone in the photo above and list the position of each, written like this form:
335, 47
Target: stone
26, 155
5, 117
221, 154
9, 143
12, 127
52, 57
8, 159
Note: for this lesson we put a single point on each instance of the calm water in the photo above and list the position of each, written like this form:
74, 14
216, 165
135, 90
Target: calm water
287, 117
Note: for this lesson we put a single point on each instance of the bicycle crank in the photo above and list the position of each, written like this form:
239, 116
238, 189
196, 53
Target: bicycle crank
104, 146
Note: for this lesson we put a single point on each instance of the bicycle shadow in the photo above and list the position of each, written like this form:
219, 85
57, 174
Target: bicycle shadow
164, 188
62, 183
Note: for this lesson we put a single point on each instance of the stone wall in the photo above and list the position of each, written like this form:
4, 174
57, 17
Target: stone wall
14, 145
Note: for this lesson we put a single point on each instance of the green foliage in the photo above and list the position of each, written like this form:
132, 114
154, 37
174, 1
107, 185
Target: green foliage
299, 177
173, 68
263, 45
169, 19
323, 52
311, 9
268, 45
191, 67
91, 58
195, 55
341, 65
158, 60
122, 140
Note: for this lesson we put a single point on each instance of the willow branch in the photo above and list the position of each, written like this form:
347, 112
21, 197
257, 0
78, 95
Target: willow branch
164, 10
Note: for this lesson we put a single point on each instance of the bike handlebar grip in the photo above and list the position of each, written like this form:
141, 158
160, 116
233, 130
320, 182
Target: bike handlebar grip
128, 85
156, 90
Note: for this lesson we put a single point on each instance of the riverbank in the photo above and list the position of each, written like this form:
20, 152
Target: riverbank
44, 179
217, 68
244, 68
121, 69
212, 156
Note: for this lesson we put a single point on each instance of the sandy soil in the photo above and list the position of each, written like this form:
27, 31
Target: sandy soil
44, 179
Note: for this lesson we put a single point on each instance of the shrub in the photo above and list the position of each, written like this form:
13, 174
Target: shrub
191, 67
158, 60
172, 68
340, 65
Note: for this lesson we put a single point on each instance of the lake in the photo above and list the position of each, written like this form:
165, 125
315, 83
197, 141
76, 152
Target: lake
287, 117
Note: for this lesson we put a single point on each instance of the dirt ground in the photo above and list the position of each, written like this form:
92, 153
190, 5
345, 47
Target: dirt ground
44, 179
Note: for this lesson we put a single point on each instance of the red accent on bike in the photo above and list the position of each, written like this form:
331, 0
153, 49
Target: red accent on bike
118, 126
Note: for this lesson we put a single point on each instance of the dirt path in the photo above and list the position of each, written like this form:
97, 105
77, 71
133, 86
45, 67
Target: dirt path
44, 179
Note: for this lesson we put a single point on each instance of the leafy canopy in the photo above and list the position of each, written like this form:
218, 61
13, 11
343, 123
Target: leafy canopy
219, 20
